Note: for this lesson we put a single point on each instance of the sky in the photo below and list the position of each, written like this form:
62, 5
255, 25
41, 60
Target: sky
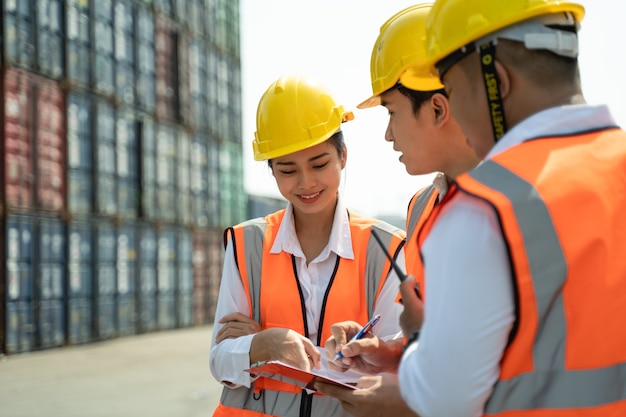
332, 40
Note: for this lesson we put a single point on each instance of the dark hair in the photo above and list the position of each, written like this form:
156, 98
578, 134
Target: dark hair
336, 140
418, 98
543, 67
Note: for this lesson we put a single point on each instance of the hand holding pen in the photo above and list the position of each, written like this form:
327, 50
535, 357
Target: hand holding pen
364, 330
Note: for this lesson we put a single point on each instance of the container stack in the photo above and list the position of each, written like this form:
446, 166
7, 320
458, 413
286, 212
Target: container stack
122, 164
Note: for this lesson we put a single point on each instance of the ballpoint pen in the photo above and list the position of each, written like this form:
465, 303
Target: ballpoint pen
368, 326
401, 275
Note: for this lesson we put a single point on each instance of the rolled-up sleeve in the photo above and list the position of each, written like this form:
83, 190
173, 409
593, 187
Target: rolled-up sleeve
229, 358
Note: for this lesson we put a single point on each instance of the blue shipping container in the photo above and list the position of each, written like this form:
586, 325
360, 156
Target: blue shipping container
78, 42
103, 54
105, 241
20, 239
49, 36
126, 259
51, 240
80, 241
51, 323
147, 312
19, 41
145, 68
124, 35
51, 281
105, 314
185, 310
20, 327
166, 318
147, 244
19, 281
79, 153
126, 315
80, 280
80, 267
80, 311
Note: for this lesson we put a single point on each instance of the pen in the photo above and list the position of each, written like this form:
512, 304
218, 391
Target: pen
368, 326
394, 264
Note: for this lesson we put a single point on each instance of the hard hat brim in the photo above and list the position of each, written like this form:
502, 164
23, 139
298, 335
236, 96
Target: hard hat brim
370, 102
291, 148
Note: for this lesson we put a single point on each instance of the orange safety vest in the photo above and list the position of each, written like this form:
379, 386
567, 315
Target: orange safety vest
420, 208
275, 300
561, 204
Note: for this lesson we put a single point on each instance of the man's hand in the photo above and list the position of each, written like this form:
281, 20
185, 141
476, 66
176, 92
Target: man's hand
413, 314
375, 397
369, 355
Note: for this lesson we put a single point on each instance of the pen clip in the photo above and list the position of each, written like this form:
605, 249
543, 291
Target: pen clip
368, 326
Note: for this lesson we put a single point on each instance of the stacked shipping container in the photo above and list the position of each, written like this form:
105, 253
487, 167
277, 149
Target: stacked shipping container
121, 165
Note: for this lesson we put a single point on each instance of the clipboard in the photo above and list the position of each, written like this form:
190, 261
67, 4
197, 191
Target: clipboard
287, 373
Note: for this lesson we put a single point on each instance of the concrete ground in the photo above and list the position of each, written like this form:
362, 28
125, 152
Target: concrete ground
163, 374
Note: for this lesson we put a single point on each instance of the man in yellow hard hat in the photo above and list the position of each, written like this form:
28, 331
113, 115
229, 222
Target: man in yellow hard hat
420, 124
527, 317
429, 139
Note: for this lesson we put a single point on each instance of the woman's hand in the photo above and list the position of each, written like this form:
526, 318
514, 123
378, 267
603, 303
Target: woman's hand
236, 325
287, 346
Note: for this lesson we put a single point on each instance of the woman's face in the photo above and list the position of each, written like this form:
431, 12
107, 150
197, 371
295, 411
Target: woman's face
309, 179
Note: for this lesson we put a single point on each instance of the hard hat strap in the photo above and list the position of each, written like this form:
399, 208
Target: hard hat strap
446, 63
492, 89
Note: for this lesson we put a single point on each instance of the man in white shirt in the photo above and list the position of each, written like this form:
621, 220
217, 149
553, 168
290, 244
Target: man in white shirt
512, 275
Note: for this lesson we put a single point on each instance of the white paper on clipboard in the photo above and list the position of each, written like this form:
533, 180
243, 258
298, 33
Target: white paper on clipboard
305, 379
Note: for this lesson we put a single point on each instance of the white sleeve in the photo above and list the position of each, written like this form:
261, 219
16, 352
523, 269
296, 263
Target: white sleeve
389, 325
468, 314
230, 357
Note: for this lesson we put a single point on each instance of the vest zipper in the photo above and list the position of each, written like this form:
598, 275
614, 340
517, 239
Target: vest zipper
306, 404
302, 304
306, 401
330, 284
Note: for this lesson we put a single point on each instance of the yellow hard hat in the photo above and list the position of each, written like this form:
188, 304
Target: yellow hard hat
454, 24
401, 44
295, 113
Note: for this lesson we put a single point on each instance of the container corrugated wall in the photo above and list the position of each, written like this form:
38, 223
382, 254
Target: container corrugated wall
34, 141
121, 166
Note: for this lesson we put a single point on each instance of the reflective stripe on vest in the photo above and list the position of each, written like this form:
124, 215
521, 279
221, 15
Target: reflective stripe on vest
420, 208
252, 240
543, 371
242, 402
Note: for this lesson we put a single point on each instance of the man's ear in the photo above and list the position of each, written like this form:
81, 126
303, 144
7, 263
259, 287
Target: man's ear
441, 108
344, 157
504, 78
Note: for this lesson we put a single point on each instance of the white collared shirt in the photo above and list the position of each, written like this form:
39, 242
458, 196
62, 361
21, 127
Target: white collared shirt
229, 358
441, 184
470, 307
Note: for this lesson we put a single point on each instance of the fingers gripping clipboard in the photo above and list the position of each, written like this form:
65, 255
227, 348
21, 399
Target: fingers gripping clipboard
304, 379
